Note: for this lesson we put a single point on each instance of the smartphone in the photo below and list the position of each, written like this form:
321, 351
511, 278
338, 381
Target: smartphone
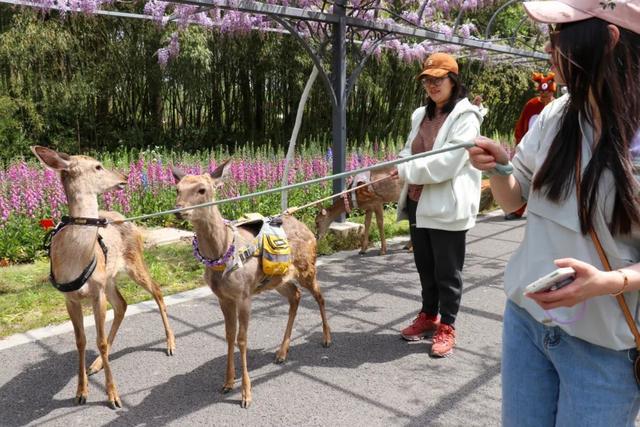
552, 281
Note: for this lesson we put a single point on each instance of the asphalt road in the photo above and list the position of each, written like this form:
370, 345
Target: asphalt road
369, 377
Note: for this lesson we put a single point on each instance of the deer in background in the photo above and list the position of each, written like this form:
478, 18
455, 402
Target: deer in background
371, 199
75, 247
217, 240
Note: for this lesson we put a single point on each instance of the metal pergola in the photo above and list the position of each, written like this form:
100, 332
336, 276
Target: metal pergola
337, 84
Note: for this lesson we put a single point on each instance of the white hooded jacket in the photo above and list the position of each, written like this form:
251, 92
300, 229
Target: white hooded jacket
451, 194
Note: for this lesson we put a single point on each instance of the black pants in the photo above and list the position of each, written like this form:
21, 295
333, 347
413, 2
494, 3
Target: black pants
439, 257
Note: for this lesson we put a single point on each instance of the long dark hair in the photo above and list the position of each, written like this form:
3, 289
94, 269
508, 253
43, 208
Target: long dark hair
590, 66
458, 91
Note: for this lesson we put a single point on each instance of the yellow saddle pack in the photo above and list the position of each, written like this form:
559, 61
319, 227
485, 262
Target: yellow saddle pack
276, 252
271, 243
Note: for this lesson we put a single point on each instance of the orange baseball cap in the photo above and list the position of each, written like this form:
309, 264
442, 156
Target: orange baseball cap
624, 13
438, 65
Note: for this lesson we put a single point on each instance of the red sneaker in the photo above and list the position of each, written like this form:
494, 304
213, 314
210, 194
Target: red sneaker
443, 341
422, 326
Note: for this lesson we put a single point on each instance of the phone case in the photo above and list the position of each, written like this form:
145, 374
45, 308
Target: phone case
556, 279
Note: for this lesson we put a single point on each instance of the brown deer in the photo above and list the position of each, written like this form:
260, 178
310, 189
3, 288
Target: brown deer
216, 240
371, 199
86, 240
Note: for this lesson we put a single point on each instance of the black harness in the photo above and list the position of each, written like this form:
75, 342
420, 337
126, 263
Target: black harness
76, 284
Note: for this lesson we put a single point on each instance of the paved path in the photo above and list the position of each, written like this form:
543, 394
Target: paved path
368, 377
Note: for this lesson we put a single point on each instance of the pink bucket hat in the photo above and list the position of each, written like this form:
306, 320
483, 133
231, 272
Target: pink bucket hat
623, 13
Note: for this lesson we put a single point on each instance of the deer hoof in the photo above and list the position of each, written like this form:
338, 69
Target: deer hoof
115, 403
280, 360
245, 403
326, 344
80, 400
171, 351
225, 389
92, 370
362, 252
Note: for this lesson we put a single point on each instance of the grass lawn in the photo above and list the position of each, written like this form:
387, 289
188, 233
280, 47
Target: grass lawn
28, 301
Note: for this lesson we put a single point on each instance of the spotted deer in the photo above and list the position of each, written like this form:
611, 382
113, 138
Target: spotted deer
86, 254
371, 199
220, 244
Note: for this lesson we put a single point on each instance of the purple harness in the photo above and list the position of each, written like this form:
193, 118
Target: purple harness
216, 264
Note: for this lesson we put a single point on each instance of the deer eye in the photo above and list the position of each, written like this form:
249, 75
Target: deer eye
201, 191
98, 167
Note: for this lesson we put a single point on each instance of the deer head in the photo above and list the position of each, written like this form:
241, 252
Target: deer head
80, 174
194, 190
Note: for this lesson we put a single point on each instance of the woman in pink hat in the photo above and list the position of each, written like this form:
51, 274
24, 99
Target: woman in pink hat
440, 198
568, 354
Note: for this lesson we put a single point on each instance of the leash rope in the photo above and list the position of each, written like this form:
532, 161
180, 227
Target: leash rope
295, 209
461, 144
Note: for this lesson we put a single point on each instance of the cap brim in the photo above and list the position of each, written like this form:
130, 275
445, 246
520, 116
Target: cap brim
434, 72
553, 12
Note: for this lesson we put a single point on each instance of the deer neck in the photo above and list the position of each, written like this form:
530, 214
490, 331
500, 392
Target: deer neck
214, 237
83, 205
74, 248
335, 210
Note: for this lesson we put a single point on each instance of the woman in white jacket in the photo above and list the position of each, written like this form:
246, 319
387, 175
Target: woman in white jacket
440, 198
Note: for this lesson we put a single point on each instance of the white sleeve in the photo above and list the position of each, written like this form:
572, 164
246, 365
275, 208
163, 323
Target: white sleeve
444, 166
524, 160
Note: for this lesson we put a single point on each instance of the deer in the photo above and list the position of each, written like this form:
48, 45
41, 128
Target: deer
371, 199
87, 250
234, 288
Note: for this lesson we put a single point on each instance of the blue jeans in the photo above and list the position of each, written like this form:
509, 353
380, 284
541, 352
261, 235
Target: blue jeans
552, 379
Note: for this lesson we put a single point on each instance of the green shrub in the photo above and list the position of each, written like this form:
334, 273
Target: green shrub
21, 240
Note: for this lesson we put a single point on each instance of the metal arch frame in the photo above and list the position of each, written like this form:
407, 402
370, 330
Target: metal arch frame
337, 84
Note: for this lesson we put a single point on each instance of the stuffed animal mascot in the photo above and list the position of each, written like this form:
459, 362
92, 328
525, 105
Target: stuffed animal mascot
546, 87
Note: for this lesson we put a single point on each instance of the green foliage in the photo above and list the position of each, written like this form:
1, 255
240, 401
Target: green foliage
20, 124
505, 91
93, 84
21, 240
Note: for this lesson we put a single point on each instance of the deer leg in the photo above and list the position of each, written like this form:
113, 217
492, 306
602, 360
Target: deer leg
380, 221
139, 273
310, 282
244, 313
100, 312
74, 308
229, 311
119, 308
364, 244
292, 293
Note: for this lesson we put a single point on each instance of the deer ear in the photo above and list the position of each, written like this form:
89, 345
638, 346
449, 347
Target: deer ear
51, 159
221, 171
177, 174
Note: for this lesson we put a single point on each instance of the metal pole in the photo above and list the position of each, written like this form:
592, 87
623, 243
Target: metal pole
339, 77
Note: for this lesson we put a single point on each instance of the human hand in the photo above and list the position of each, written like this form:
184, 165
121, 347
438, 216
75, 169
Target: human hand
589, 282
486, 154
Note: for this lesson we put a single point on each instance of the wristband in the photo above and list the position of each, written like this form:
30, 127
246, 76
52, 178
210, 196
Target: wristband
500, 170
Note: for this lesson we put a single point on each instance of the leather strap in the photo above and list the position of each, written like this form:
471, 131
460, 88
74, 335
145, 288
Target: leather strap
605, 262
